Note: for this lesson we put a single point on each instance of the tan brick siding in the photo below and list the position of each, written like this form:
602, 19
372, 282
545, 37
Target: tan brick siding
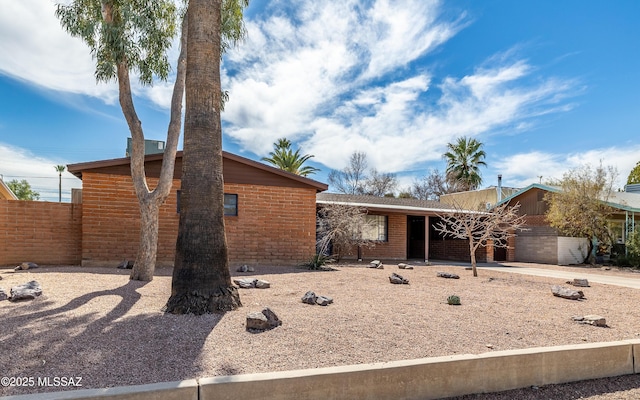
275, 225
40, 232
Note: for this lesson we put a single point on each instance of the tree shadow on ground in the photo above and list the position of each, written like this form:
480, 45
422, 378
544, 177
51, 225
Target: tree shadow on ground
103, 346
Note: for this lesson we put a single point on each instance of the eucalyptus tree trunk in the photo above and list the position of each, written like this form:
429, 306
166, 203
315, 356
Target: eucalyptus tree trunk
201, 279
150, 201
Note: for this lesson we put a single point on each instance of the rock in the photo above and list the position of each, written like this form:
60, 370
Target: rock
126, 264
260, 284
245, 268
376, 264
447, 275
309, 298
580, 282
27, 291
323, 300
25, 266
594, 320
397, 279
246, 283
402, 265
567, 293
3, 294
409, 267
606, 268
266, 319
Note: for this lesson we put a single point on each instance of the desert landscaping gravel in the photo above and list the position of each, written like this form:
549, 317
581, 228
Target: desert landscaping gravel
96, 324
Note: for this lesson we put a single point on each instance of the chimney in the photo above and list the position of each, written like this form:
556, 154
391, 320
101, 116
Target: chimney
499, 189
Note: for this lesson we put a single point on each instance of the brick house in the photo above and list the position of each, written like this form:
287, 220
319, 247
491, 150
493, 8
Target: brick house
405, 230
541, 243
269, 213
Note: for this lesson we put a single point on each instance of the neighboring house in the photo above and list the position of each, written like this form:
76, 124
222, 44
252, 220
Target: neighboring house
270, 214
541, 243
481, 199
405, 229
5, 192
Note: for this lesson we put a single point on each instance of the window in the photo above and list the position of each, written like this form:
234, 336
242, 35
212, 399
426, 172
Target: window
375, 228
230, 204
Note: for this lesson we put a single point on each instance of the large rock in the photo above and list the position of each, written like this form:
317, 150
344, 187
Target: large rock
245, 268
405, 266
246, 283
323, 300
566, 293
580, 282
266, 319
3, 294
126, 264
309, 298
27, 291
398, 279
260, 284
376, 264
447, 275
25, 266
594, 320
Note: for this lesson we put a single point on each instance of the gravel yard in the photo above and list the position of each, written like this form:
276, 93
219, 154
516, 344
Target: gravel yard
96, 324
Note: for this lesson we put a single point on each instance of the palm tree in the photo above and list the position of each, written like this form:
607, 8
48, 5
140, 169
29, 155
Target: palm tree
60, 169
285, 158
201, 279
464, 159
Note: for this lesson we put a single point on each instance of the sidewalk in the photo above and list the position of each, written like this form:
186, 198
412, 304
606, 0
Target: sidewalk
626, 281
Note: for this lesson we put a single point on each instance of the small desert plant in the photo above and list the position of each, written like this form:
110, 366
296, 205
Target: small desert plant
453, 300
318, 261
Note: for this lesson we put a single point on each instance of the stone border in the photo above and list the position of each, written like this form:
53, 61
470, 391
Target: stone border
427, 378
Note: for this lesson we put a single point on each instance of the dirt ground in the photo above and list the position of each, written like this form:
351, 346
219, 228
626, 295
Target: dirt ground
96, 324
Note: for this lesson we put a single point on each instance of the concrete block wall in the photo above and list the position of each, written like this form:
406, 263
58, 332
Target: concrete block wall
40, 232
427, 378
274, 225
538, 244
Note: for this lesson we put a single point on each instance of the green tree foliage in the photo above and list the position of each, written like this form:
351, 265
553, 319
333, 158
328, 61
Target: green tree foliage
633, 248
286, 159
133, 36
22, 190
464, 159
579, 208
634, 175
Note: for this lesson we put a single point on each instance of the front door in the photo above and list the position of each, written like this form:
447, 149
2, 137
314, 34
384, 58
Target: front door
415, 237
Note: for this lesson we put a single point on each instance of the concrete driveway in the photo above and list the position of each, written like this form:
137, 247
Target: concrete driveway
617, 280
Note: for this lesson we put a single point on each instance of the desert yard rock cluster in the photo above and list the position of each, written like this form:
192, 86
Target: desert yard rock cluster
96, 323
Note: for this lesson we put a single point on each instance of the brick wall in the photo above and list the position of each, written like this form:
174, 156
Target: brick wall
41, 232
455, 250
395, 248
275, 225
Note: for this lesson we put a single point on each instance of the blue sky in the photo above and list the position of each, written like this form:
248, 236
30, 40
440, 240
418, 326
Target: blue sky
545, 85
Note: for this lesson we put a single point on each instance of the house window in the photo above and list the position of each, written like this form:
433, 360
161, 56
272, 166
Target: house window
230, 204
375, 228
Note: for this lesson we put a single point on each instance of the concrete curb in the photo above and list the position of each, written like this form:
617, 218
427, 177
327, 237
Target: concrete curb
427, 378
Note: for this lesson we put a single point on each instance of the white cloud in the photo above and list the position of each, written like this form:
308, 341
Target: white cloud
336, 78
35, 48
19, 164
523, 169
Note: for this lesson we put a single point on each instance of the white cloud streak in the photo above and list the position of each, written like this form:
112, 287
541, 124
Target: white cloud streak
523, 169
339, 77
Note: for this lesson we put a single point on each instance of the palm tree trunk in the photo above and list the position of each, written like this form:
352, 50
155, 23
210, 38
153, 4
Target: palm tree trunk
201, 279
